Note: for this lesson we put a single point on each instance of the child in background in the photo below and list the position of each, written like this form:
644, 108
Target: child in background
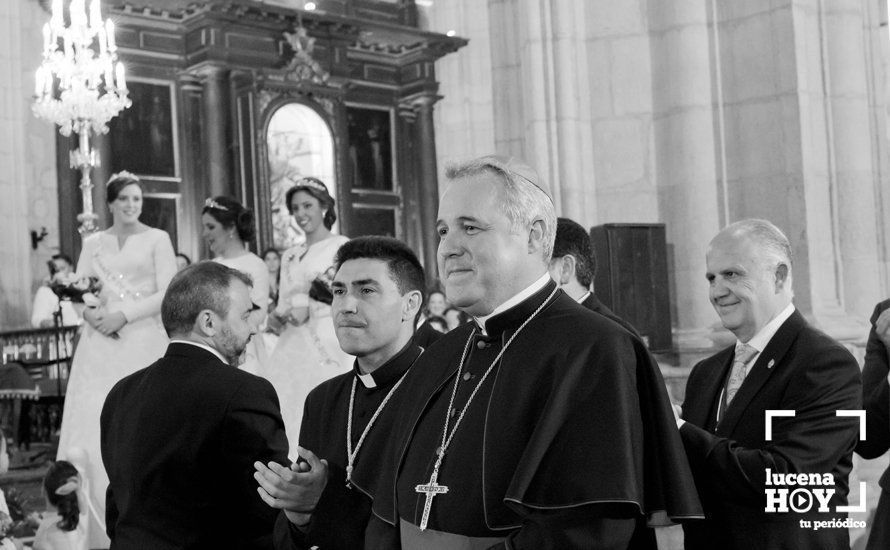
64, 525
6, 542
4, 467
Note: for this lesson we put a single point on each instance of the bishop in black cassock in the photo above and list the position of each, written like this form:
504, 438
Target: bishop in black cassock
568, 443
541, 424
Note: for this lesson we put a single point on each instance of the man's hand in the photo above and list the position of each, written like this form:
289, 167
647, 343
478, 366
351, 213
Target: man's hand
297, 489
677, 412
882, 327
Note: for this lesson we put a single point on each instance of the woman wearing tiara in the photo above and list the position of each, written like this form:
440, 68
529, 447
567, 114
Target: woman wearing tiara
307, 353
228, 226
134, 264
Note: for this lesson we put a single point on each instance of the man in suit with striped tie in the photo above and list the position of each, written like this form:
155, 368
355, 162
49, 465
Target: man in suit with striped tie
778, 362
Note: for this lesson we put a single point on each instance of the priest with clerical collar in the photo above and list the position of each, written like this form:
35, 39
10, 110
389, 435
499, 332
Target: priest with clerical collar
542, 424
377, 294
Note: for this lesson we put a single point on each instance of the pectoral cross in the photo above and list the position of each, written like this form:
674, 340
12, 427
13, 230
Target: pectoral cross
431, 489
349, 476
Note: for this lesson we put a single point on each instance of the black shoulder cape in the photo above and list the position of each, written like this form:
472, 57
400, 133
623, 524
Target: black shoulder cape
579, 415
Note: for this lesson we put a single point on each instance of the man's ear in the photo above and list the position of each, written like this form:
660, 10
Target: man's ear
536, 237
411, 305
567, 273
781, 276
205, 323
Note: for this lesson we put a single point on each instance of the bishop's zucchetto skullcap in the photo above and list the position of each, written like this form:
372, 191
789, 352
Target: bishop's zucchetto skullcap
516, 167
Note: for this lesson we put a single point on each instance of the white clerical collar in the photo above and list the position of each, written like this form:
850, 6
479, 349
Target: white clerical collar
515, 300
582, 298
368, 380
764, 335
200, 345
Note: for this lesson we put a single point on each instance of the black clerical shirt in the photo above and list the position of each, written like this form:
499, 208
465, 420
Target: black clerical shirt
342, 514
460, 471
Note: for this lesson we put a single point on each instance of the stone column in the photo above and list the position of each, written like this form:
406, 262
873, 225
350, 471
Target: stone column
856, 168
194, 169
216, 131
20, 21
427, 177
507, 78
409, 182
99, 176
554, 119
573, 165
687, 157
465, 117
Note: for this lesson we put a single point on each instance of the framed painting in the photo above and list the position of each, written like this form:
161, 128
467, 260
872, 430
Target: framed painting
142, 138
370, 148
159, 210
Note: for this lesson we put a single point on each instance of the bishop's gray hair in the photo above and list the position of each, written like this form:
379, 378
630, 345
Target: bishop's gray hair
524, 201
772, 243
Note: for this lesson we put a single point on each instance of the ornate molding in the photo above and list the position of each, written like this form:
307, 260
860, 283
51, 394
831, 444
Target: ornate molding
302, 67
265, 97
410, 105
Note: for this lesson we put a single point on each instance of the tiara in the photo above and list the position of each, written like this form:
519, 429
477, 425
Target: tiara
312, 183
210, 203
123, 174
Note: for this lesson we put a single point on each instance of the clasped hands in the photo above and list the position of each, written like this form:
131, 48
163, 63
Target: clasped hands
107, 323
297, 489
295, 315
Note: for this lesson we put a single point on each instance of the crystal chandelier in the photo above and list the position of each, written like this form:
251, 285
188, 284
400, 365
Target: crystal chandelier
80, 86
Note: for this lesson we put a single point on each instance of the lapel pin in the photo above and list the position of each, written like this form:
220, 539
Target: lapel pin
771, 363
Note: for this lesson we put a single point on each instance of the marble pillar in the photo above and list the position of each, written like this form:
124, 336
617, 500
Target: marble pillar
464, 118
688, 156
100, 175
856, 169
27, 155
216, 139
427, 176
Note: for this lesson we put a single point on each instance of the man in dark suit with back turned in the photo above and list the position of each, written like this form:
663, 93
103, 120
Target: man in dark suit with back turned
573, 266
876, 401
179, 438
778, 362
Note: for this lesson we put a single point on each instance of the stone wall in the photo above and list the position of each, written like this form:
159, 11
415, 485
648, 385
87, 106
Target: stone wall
693, 114
28, 160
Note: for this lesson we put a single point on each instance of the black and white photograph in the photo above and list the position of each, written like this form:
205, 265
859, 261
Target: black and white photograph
445, 275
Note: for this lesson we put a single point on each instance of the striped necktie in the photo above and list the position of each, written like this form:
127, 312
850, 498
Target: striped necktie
743, 354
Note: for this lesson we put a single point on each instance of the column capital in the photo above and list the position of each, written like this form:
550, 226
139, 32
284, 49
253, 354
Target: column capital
189, 82
418, 102
209, 71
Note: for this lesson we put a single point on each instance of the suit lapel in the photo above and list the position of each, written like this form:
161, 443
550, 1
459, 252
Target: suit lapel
767, 363
704, 411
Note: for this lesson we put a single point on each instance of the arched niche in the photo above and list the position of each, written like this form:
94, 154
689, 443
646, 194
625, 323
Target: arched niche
299, 143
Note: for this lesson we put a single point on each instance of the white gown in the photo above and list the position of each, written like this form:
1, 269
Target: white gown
133, 279
308, 354
253, 265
